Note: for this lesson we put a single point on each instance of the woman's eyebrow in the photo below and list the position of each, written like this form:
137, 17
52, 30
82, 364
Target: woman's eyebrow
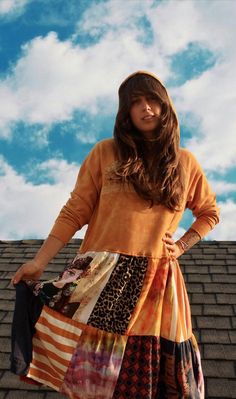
137, 95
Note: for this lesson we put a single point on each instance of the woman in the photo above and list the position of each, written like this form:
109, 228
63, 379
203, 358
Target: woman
122, 327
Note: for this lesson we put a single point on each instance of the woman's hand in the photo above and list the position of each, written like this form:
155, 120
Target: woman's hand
31, 270
173, 249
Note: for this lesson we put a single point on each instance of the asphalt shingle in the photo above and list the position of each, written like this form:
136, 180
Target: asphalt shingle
209, 270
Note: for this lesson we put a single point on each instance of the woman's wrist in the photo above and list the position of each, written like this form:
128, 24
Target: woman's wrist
180, 248
48, 250
190, 238
183, 245
40, 265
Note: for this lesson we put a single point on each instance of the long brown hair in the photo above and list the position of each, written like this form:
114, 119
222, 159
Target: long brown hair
152, 167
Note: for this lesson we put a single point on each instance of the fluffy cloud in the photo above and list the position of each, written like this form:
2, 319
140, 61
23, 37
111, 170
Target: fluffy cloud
30, 210
225, 230
54, 78
12, 7
211, 102
222, 187
177, 23
210, 98
102, 17
42, 86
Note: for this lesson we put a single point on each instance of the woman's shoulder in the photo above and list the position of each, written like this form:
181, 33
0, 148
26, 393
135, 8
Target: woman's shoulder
105, 146
189, 162
185, 153
105, 150
187, 157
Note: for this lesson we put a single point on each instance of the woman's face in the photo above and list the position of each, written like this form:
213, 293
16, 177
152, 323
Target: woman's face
145, 114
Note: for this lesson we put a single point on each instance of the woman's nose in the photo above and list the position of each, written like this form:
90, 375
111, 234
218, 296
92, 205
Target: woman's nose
146, 105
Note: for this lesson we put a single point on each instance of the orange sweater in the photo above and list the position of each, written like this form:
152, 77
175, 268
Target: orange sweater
118, 219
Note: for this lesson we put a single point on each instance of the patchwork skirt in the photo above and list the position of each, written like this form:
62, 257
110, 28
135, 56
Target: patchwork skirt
115, 326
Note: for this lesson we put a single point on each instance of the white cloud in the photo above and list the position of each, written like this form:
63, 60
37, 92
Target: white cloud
54, 78
30, 210
221, 187
175, 24
209, 98
39, 135
86, 138
106, 16
9, 111
12, 7
60, 171
208, 22
225, 230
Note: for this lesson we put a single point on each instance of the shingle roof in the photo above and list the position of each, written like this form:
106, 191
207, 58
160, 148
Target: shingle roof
210, 273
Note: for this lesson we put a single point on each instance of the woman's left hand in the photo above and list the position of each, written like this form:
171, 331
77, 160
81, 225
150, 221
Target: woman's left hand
173, 249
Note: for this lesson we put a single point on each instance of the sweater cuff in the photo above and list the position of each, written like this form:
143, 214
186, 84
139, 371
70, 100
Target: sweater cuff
202, 227
63, 232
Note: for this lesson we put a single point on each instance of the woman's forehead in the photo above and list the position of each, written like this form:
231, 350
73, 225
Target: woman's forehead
143, 93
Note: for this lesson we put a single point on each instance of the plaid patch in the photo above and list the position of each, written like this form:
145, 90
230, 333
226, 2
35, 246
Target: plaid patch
140, 367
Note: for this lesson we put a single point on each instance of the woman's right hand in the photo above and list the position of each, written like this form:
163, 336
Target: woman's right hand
31, 270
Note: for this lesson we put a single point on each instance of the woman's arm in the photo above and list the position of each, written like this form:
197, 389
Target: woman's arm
188, 240
202, 202
73, 216
33, 269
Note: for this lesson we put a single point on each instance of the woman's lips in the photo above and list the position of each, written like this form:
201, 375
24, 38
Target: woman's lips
148, 117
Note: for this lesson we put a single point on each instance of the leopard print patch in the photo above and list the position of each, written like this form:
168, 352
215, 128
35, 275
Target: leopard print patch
116, 303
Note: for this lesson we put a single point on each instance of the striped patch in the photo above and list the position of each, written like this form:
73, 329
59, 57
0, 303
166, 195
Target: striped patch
54, 342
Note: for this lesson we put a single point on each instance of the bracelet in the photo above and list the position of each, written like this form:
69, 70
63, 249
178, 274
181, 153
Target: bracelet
183, 244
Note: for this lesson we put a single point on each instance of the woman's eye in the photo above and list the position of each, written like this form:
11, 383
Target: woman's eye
135, 100
152, 98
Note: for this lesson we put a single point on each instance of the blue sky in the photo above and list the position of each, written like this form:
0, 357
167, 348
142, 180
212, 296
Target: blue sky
60, 66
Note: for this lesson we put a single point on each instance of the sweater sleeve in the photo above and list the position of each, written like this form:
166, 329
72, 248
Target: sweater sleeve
201, 200
83, 199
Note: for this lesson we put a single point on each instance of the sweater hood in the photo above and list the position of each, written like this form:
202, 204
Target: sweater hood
141, 72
